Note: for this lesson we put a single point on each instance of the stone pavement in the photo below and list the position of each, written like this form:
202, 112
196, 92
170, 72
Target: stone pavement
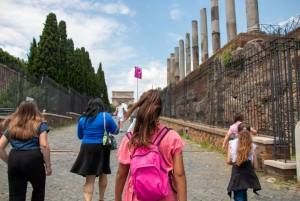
207, 173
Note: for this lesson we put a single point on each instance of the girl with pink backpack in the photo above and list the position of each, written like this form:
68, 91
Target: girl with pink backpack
150, 140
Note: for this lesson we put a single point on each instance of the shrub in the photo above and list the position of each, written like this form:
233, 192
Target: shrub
233, 47
217, 57
226, 58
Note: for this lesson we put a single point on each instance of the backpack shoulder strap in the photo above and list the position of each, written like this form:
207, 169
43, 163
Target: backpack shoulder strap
158, 138
161, 135
129, 135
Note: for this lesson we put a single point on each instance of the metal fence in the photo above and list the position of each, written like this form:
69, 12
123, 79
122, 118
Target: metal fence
263, 85
16, 85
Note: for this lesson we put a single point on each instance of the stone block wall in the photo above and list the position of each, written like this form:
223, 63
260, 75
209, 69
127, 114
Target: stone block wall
53, 120
214, 137
75, 117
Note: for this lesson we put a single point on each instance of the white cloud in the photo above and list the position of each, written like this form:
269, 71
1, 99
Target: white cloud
286, 21
91, 25
113, 8
175, 37
101, 36
154, 74
176, 12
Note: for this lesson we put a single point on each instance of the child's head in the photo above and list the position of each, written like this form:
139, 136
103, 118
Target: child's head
150, 106
244, 127
238, 117
244, 146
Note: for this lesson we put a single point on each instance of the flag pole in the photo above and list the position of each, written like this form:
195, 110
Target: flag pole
137, 88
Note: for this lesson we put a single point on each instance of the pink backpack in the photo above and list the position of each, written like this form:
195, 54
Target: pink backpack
148, 171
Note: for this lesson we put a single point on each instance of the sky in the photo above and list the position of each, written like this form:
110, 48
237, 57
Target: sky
124, 34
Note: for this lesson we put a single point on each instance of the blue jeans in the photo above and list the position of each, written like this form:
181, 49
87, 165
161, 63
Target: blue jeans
240, 195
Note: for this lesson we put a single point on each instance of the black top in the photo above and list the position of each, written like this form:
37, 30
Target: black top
243, 177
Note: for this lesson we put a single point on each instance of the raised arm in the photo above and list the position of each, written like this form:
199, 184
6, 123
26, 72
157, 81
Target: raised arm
225, 142
253, 131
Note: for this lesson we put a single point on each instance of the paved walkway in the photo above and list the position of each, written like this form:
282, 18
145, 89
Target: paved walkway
207, 173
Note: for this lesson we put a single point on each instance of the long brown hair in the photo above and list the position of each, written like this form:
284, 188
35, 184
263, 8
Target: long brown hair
24, 122
149, 109
244, 146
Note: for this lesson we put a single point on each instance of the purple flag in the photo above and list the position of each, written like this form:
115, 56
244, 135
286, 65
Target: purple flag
138, 72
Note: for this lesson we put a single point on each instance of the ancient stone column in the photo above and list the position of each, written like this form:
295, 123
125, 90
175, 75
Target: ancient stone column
230, 19
176, 64
188, 54
204, 39
181, 60
252, 16
215, 25
195, 46
172, 68
168, 72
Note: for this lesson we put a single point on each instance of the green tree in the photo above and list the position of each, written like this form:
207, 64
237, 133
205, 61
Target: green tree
70, 63
63, 66
102, 86
9, 60
47, 58
31, 57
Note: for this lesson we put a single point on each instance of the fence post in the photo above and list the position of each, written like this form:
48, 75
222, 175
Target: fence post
297, 145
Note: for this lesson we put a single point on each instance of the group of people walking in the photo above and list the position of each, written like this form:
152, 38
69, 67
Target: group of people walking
29, 159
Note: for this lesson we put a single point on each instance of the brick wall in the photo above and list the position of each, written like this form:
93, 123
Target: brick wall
53, 120
214, 137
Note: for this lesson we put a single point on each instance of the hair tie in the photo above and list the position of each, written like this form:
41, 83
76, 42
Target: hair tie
245, 128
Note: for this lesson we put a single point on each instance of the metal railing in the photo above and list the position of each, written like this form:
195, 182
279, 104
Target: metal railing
263, 85
16, 85
282, 30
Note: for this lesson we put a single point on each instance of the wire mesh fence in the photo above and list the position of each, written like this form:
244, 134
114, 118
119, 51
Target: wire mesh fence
17, 85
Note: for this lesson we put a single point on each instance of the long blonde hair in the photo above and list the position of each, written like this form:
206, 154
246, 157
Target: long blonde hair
149, 109
24, 122
244, 146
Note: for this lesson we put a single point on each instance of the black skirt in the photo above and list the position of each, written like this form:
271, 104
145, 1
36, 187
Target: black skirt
243, 177
93, 159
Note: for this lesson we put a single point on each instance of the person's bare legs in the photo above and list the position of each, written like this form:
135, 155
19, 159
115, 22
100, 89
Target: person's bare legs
120, 125
102, 185
88, 188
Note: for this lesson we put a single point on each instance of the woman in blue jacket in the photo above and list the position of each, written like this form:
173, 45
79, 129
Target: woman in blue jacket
93, 159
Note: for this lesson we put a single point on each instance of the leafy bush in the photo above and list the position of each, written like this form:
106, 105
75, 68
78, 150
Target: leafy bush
217, 57
226, 58
233, 47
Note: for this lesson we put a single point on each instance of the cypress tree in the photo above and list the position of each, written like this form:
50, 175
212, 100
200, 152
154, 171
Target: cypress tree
102, 84
63, 67
48, 52
70, 63
31, 68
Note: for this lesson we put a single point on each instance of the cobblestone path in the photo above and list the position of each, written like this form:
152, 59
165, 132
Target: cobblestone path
207, 173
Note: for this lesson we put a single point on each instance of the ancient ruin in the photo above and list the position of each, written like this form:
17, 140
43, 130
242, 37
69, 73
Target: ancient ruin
126, 97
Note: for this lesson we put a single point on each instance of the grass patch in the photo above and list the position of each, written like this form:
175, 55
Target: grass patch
204, 145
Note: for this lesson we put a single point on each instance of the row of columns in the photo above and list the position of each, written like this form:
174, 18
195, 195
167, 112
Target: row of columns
177, 69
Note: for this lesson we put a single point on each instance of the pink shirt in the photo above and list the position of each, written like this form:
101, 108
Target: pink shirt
234, 129
171, 145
